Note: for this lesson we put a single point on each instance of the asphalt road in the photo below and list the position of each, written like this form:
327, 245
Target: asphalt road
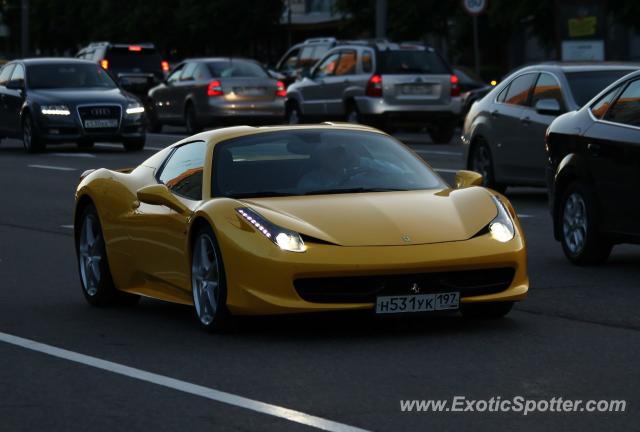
576, 337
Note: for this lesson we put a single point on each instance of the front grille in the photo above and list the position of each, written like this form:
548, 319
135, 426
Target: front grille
365, 289
100, 112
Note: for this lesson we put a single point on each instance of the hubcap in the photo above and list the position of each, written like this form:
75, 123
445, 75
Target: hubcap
294, 117
90, 255
574, 223
482, 162
205, 279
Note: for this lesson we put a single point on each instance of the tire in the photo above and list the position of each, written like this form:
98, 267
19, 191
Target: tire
489, 310
442, 134
293, 114
352, 115
208, 282
580, 227
481, 161
30, 139
153, 124
86, 144
134, 144
95, 276
191, 120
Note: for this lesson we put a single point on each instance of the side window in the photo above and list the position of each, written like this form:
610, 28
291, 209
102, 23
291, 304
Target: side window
175, 75
201, 73
518, 93
5, 74
547, 87
503, 94
18, 73
307, 59
347, 64
182, 173
602, 105
367, 61
626, 109
189, 69
328, 66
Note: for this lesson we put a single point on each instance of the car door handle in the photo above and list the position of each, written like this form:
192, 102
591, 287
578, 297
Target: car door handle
525, 121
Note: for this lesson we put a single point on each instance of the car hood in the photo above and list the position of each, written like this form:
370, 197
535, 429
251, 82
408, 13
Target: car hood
383, 218
80, 96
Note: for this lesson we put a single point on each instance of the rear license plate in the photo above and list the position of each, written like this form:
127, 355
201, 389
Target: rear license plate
417, 303
250, 91
416, 89
101, 123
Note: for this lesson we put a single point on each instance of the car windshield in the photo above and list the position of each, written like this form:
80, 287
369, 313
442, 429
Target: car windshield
235, 69
585, 85
67, 75
412, 62
315, 162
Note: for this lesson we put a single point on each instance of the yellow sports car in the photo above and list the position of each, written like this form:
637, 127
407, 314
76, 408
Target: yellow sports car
290, 219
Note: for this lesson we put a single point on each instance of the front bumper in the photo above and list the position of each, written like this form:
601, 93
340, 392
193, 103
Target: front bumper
261, 278
70, 128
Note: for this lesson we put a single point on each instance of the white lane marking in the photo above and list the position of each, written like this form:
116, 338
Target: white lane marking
183, 386
524, 216
66, 226
154, 148
76, 155
51, 167
447, 170
439, 152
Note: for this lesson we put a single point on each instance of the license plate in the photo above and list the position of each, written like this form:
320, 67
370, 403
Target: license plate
416, 89
250, 91
417, 303
101, 123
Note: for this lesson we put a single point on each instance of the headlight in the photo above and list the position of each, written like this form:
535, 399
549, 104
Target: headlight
285, 239
501, 227
135, 108
55, 110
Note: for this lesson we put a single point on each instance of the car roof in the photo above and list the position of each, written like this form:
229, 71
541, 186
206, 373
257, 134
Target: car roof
52, 60
212, 59
566, 67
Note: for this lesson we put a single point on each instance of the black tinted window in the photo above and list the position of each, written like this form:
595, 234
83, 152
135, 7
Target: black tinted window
134, 60
547, 87
235, 69
602, 105
518, 93
182, 173
626, 109
68, 75
412, 62
585, 85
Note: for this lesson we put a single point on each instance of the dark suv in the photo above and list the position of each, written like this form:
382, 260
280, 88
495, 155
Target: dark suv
136, 67
380, 83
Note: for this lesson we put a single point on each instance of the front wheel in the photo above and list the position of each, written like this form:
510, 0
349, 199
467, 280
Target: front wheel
489, 310
580, 233
208, 282
31, 140
191, 120
481, 161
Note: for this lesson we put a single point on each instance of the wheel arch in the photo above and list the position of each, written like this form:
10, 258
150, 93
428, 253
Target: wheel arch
571, 168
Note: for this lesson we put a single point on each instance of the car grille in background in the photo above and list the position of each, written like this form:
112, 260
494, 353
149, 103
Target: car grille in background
100, 112
364, 289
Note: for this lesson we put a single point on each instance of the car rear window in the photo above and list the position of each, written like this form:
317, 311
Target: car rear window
143, 60
585, 85
412, 62
235, 69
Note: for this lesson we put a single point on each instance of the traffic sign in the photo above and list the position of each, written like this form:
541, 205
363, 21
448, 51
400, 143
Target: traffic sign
474, 7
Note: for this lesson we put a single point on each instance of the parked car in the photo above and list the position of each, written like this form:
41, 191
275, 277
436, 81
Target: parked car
299, 59
52, 100
212, 91
135, 67
379, 83
503, 133
593, 173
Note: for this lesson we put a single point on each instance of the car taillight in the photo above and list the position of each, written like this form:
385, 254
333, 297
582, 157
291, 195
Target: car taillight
374, 86
104, 63
215, 88
136, 48
164, 65
281, 90
455, 85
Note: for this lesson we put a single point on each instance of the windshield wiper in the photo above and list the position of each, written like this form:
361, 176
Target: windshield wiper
351, 190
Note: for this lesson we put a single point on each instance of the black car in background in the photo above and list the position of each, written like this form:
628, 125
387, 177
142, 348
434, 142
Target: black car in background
594, 173
49, 100
135, 67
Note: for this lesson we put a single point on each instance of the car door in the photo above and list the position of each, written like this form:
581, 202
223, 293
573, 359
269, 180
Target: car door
612, 146
507, 130
166, 97
158, 233
313, 91
5, 76
534, 124
14, 99
336, 84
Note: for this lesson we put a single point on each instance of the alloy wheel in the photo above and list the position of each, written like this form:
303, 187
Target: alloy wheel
205, 278
481, 162
574, 223
90, 255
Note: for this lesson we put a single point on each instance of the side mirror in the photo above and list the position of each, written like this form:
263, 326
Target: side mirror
159, 195
548, 107
16, 84
466, 179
